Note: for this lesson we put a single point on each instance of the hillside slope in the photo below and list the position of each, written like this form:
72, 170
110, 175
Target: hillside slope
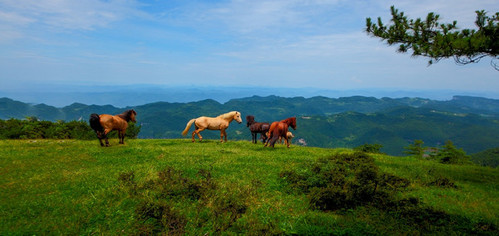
175, 186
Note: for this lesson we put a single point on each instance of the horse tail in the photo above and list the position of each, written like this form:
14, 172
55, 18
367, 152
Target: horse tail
187, 127
95, 123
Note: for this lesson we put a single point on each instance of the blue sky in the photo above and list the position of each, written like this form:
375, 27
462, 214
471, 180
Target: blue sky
280, 43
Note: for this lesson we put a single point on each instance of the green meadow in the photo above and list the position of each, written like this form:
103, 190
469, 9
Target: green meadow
174, 186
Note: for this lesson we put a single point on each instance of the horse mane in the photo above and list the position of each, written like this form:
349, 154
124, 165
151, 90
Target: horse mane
250, 119
227, 115
290, 121
126, 115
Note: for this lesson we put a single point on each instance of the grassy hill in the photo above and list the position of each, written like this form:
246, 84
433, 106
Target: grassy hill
175, 186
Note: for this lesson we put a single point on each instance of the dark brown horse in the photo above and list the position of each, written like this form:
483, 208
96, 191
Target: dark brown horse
103, 124
280, 129
257, 127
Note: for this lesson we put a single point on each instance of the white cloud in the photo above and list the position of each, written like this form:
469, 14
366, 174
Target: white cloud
66, 14
14, 18
319, 41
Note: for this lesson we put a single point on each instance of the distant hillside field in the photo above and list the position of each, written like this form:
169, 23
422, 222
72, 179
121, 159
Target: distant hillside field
174, 186
470, 123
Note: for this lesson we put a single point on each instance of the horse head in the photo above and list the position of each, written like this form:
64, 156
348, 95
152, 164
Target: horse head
250, 120
131, 115
237, 117
292, 122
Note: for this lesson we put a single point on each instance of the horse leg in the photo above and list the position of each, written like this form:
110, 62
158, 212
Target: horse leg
222, 135
253, 137
119, 137
107, 141
268, 140
286, 140
106, 131
100, 141
197, 131
273, 140
264, 135
123, 137
98, 134
193, 135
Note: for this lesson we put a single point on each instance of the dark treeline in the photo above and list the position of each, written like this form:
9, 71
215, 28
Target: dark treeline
33, 128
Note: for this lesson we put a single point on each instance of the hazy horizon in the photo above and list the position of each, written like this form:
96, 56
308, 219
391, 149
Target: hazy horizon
134, 95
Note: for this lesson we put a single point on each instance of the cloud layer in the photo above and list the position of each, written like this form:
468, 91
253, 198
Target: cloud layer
290, 43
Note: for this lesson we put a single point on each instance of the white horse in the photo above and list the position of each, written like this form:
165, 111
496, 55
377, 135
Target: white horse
220, 122
289, 135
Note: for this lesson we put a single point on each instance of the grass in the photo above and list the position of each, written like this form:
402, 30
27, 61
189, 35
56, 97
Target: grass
74, 187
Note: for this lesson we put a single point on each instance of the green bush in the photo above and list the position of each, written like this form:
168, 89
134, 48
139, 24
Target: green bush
32, 128
369, 148
449, 154
416, 149
158, 217
443, 182
344, 181
219, 208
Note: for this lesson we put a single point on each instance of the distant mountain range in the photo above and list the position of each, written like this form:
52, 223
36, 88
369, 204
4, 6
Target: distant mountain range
137, 94
472, 123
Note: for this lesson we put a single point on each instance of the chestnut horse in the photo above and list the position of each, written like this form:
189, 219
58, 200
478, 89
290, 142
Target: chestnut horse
280, 129
257, 127
103, 124
220, 122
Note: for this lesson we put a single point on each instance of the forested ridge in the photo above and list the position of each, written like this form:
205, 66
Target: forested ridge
469, 122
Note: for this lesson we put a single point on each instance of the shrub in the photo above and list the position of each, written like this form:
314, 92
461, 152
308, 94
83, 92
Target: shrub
156, 217
416, 149
347, 181
227, 208
32, 128
344, 181
369, 148
449, 154
217, 207
443, 182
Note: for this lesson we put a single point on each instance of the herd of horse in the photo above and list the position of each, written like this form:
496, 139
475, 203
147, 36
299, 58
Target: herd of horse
269, 132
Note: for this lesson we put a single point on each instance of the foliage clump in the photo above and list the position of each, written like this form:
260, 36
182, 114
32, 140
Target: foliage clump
489, 157
430, 38
416, 149
443, 182
155, 217
369, 148
158, 212
449, 154
344, 181
33, 128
